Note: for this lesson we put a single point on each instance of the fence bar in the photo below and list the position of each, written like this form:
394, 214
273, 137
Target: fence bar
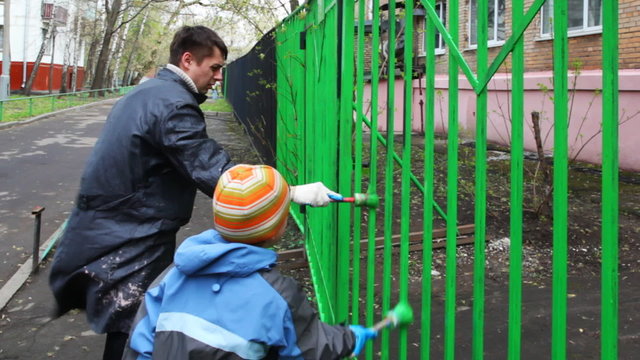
388, 182
452, 193
405, 213
429, 155
413, 178
480, 220
609, 301
373, 172
345, 164
560, 178
357, 174
517, 183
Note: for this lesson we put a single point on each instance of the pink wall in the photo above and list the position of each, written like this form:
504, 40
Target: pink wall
586, 112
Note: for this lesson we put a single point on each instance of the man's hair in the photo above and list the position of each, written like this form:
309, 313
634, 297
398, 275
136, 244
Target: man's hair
198, 40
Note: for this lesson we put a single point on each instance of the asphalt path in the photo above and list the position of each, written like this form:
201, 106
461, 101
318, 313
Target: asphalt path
40, 165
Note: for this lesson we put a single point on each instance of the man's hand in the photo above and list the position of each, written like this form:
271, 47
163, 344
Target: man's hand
314, 194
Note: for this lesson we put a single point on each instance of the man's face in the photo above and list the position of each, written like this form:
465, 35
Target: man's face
207, 73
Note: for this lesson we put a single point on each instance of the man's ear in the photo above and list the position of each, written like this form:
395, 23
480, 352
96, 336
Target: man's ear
186, 60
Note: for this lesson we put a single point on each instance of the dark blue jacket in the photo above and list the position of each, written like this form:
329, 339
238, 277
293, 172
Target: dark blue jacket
226, 301
137, 189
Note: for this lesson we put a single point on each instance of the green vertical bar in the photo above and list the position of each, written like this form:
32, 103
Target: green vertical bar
30, 106
331, 65
560, 165
345, 164
53, 104
517, 180
373, 171
405, 213
481, 184
429, 154
1, 110
389, 186
452, 193
609, 317
224, 84
357, 176
326, 48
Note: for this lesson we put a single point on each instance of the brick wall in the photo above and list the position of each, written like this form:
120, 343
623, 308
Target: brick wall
585, 49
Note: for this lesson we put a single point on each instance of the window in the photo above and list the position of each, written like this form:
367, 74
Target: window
496, 32
421, 24
585, 16
1, 37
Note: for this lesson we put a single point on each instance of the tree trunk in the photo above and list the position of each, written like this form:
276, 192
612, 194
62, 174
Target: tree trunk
105, 49
120, 43
293, 4
94, 30
66, 60
125, 76
36, 65
77, 48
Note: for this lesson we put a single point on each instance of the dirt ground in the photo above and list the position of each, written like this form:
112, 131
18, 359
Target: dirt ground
583, 262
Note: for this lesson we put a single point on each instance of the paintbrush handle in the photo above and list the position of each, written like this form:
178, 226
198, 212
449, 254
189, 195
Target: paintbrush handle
386, 322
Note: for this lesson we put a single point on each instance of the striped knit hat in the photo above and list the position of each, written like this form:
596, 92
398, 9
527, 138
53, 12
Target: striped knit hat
250, 203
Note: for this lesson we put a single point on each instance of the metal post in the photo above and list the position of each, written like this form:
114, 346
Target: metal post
5, 80
37, 211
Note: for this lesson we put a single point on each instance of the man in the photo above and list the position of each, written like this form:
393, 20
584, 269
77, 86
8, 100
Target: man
139, 186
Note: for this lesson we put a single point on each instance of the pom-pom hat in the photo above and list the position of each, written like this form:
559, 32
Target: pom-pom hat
250, 203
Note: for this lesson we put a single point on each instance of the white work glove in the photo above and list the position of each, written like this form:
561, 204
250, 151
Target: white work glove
314, 194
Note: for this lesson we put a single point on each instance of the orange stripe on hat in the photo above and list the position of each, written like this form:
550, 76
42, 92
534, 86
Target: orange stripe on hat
250, 203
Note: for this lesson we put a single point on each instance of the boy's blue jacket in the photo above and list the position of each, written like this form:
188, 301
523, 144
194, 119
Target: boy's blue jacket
226, 300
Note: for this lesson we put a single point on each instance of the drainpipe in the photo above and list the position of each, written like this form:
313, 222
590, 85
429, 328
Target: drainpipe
25, 42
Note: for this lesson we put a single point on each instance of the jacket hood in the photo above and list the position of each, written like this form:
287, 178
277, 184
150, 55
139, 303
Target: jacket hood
208, 253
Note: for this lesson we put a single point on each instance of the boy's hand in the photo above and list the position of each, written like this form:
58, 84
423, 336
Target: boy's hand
362, 334
314, 194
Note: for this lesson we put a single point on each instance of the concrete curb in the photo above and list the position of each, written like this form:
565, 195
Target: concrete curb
11, 124
18, 279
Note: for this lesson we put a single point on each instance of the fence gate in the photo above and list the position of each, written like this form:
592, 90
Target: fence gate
342, 120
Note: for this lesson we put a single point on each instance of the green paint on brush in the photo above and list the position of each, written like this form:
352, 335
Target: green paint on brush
368, 200
398, 317
402, 314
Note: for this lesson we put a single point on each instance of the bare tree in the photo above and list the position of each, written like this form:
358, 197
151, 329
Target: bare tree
126, 76
113, 10
43, 47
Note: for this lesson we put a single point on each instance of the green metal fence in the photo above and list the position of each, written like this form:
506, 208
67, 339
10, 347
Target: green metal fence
17, 108
327, 132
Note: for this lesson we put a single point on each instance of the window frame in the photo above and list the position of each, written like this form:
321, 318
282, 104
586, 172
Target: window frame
491, 42
440, 8
585, 30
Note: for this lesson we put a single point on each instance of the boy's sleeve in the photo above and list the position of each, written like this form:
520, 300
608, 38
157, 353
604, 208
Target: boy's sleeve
140, 344
306, 337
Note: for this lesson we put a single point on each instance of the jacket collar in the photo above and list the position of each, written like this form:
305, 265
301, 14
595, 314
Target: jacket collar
174, 73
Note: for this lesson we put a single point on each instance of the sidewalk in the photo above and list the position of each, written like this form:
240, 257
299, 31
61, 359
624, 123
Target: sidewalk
42, 164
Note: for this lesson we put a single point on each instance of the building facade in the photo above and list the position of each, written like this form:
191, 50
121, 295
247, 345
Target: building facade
585, 76
30, 24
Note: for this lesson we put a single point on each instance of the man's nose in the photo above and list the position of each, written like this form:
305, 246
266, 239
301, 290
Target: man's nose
218, 75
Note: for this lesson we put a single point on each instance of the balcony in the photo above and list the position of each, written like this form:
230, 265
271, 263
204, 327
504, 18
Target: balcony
56, 13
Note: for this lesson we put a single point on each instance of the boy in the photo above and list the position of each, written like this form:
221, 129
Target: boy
224, 299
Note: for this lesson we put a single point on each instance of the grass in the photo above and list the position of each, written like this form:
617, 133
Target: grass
18, 107
219, 105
